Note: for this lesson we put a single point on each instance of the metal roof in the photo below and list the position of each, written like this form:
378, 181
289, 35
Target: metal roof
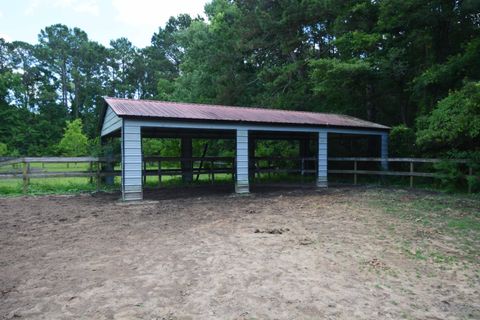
193, 111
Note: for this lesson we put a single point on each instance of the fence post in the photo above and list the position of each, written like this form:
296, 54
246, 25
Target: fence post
355, 174
303, 170
269, 164
26, 180
213, 171
159, 172
470, 174
98, 175
411, 174
91, 171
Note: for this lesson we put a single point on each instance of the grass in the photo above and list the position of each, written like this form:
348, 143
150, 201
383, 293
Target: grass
455, 216
449, 213
13, 187
69, 185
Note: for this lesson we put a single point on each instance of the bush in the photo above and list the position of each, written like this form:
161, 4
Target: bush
454, 123
450, 175
3, 149
402, 141
74, 143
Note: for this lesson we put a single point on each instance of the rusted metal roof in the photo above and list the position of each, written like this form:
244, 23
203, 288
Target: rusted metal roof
192, 111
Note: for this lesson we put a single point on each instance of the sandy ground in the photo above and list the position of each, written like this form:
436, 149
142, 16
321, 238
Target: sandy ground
280, 255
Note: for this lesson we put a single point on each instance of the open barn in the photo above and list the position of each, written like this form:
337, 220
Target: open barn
131, 120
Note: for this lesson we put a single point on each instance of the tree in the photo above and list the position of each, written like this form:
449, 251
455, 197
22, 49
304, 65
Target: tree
74, 143
454, 123
409, 64
402, 142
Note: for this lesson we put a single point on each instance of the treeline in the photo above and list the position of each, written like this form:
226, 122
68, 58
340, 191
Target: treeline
410, 64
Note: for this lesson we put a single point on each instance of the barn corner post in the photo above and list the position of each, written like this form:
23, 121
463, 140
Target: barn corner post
132, 188
241, 162
322, 157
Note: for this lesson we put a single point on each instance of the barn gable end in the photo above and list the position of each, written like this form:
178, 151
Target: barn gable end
111, 122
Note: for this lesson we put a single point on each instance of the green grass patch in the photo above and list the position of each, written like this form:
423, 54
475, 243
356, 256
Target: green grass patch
457, 216
465, 223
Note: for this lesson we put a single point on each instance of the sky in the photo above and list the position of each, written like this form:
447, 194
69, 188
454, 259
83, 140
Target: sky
103, 20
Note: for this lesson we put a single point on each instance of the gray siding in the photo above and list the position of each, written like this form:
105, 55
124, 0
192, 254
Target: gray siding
241, 177
111, 122
322, 179
131, 161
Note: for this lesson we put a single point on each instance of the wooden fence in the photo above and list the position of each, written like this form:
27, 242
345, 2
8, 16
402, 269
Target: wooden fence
20, 168
411, 173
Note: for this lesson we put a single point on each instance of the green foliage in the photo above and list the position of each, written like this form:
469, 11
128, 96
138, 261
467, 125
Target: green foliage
451, 177
455, 121
165, 90
276, 148
161, 147
3, 149
402, 141
343, 84
74, 143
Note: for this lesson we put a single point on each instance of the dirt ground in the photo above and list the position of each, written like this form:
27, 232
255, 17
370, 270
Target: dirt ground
181, 254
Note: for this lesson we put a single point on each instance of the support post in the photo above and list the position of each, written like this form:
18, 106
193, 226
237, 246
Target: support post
132, 188
322, 157
384, 151
241, 162
470, 175
303, 153
187, 163
355, 178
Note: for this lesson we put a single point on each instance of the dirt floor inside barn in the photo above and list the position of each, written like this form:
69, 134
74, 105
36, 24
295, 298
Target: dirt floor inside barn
341, 253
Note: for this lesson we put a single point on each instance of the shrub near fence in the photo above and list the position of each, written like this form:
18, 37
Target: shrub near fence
94, 168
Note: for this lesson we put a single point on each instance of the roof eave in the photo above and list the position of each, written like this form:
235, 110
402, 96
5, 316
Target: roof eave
276, 124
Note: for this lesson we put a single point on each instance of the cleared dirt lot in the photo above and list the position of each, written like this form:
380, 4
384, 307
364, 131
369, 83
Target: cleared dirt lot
336, 254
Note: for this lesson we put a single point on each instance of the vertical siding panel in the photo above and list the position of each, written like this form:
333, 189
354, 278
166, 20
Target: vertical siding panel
131, 161
241, 177
322, 179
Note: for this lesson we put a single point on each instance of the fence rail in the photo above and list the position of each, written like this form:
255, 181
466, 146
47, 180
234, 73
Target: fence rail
103, 167
411, 173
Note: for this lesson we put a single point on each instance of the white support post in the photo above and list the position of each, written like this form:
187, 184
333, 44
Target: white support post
384, 151
322, 179
131, 161
241, 163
